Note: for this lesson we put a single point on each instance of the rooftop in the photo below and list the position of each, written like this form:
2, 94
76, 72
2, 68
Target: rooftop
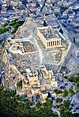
48, 33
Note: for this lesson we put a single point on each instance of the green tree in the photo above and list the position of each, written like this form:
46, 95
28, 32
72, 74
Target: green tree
65, 109
19, 84
71, 91
65, 93
72, 79
12, 105
77, 87
4, 25
3, 30
57, 91
15, 25
59, 100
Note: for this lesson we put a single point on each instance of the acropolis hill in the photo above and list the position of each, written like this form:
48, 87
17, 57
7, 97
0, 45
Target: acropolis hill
33, 59
39, 55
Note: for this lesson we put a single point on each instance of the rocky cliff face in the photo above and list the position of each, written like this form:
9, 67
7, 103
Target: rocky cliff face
3, 57
9, 74
3, 63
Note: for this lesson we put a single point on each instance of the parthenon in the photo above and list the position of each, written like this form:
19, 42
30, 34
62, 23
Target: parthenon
48, 37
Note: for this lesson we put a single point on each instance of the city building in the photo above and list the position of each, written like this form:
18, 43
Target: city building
54, 82
77, 41
47, 74
77, 53
33, 78
48, 37
73, 64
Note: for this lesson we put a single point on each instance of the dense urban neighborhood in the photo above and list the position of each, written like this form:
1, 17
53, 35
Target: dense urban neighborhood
39, 54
